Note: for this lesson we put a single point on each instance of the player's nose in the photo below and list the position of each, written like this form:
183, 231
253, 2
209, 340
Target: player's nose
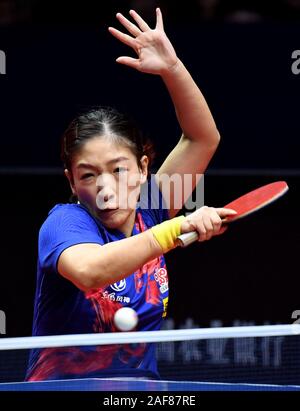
106, 183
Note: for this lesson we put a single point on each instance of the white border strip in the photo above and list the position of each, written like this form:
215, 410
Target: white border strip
147, 336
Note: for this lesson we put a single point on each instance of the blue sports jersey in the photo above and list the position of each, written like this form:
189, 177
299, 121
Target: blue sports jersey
61, 308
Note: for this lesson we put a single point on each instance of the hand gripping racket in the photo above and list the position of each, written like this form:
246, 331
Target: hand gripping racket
245, 205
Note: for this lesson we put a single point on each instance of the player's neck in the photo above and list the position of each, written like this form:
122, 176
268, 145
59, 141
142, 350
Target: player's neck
127, 227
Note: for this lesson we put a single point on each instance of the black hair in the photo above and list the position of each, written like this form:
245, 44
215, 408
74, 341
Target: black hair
108, 122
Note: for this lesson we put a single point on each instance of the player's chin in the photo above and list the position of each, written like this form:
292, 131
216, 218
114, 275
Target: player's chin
113, 218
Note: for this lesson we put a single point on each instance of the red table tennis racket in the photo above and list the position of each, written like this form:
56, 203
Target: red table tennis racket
245, 205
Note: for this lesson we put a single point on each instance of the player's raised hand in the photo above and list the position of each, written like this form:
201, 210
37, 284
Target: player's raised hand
155, 52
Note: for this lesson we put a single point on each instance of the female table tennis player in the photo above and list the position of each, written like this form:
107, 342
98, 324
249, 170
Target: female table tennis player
105, 250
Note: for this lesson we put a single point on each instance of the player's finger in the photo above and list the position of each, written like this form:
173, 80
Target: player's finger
159, 20
129, 61
222, 229
201, 231
209, 228
224, 212
132, 28
216, 220
138, 19
124, 38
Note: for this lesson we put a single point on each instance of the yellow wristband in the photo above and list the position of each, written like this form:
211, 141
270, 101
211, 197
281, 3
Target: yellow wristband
167, 232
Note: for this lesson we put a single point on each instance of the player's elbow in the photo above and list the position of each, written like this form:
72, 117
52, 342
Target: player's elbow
89, 278
84, 266
211, 141
83, 275
215, 139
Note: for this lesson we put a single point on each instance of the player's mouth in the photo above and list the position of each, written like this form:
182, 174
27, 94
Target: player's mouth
107, 212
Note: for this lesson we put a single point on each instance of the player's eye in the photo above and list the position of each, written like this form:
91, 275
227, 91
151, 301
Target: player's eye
86, 176
120, 170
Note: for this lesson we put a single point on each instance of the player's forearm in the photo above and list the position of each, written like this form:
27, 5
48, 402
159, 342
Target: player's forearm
119, 259
192, 111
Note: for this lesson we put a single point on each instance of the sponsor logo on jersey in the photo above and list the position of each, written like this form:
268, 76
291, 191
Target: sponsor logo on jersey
113, 297
161, 276
165, 303
119, 286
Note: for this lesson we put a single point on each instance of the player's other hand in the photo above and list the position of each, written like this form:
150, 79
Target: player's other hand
207, 221
155, 52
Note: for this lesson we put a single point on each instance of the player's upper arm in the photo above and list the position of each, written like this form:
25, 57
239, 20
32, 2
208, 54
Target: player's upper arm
187, 158
74, 264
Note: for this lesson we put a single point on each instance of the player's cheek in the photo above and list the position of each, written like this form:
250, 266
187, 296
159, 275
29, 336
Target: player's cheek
87, 195
133, 195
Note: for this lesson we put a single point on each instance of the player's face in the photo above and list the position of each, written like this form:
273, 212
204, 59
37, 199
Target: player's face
106, 178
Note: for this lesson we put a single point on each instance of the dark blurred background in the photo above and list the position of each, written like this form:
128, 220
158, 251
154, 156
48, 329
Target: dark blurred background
60, 58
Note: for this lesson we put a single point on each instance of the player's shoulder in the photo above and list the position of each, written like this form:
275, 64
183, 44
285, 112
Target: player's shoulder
65, 214
68, 210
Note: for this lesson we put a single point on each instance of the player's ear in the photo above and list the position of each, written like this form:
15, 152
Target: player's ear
144, 161
70, 178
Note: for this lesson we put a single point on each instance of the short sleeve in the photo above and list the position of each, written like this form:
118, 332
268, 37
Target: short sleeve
66, 225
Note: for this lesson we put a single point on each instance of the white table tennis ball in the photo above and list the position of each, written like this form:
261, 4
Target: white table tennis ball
125, 319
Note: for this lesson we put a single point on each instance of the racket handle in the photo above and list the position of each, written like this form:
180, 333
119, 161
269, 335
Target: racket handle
187, 238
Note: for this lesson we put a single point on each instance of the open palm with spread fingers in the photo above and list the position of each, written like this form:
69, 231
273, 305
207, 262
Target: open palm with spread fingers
156, 54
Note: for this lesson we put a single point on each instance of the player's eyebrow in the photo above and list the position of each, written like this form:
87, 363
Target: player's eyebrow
116, 160
112, 161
